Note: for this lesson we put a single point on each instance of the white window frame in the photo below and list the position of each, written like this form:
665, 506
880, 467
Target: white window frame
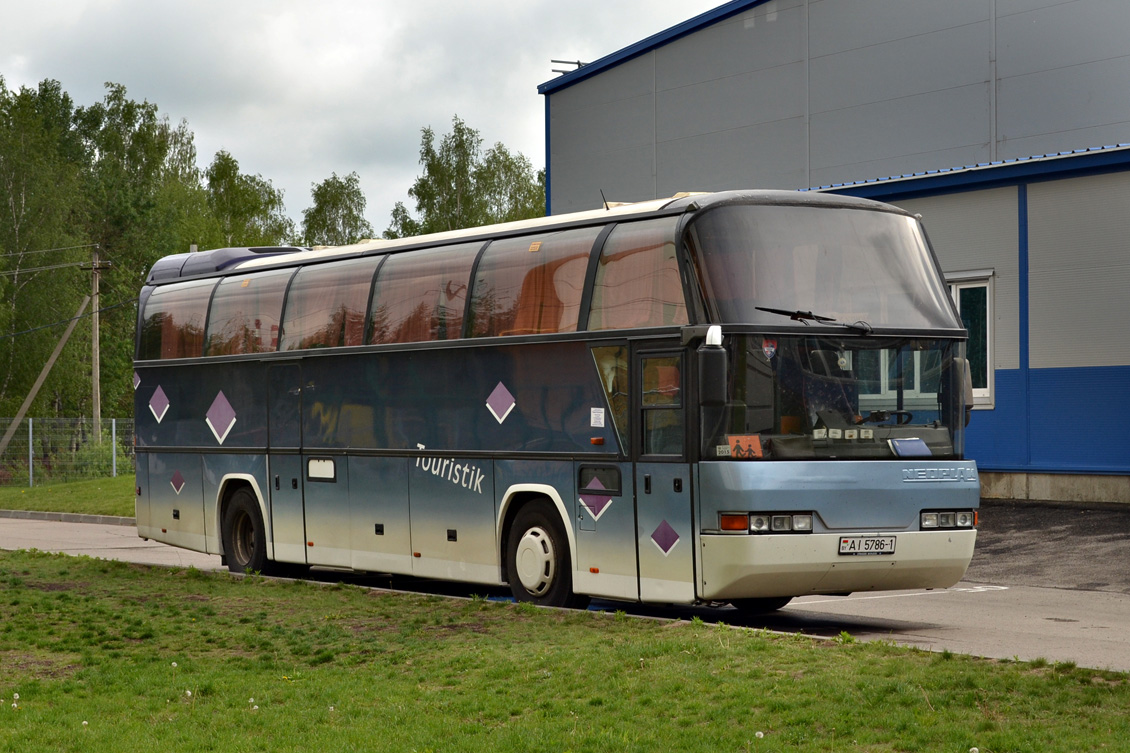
983, 397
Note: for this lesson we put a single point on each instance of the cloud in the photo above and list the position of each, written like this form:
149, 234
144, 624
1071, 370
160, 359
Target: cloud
297, 90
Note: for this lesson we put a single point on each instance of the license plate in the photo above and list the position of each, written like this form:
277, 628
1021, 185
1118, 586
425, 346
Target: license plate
867, 545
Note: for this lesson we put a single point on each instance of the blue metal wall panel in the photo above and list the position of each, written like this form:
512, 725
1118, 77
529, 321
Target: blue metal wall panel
997, 439
1079, 419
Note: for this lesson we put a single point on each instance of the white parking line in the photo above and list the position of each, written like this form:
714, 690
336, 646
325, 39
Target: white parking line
956, 589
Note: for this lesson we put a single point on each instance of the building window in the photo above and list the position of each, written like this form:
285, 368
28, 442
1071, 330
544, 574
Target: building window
973, 294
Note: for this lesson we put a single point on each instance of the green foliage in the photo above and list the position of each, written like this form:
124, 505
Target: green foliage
461, 187
101, 496
114, 178
249, 209
338, 215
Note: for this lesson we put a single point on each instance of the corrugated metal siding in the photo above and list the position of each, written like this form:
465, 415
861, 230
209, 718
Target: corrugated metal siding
799, 93
1079, 272
603, 138
980, 230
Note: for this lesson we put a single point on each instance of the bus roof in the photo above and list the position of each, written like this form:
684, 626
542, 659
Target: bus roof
248, 258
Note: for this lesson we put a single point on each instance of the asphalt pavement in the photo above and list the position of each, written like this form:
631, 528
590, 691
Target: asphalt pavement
1081, 547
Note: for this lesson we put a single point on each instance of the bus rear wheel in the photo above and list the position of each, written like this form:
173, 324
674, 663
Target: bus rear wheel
245, 540
537, 558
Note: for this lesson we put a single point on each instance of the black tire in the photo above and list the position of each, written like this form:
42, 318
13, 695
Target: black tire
760, 606
537, 558
245, 539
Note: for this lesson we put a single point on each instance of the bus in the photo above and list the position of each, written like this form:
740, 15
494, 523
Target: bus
739, 397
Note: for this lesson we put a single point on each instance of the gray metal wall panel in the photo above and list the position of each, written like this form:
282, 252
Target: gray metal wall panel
836, 25
603, 138
770, 154
907, 67
1030, 40
765, 37
1079, 272
903, 128
884, 87
980, 230
1062, 108
737, 101
892, 166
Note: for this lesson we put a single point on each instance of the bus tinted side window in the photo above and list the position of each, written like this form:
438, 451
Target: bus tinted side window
173, 324
325, 307
245, 313
637, 281
421, 295
531, 285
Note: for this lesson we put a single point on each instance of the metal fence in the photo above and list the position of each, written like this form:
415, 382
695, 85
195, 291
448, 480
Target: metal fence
48, 450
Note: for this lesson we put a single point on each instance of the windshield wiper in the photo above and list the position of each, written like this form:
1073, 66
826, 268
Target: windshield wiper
804, 317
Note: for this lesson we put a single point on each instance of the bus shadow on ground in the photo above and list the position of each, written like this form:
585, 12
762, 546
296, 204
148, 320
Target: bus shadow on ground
817, 624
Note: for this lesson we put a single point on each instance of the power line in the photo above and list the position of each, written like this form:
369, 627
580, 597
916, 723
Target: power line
29, 270
49, 250
68, 321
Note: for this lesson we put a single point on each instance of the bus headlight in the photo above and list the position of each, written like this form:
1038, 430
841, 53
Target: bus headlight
757, 522
948, 519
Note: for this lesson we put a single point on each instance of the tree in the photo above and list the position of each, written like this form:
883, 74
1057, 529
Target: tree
509, 186
338, 215
249, 209
461, 188
42, 211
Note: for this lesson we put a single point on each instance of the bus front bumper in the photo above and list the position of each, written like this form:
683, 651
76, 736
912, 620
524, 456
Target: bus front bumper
753, 566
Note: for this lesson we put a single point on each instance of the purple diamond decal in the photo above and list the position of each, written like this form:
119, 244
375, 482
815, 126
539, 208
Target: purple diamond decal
136, 380
158, 404
500, 403
665, 538
595, 485
220, 417
596, 504
177, 481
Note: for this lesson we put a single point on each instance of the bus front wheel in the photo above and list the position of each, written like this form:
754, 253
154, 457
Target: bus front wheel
537, 558
245, 540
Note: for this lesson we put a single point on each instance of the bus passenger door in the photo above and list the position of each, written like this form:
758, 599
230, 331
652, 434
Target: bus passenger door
664, 527
284, 463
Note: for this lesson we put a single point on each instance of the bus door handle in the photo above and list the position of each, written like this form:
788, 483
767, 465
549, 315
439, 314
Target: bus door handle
276, 482
647, 483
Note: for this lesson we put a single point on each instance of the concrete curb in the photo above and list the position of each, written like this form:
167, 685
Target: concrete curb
67, 517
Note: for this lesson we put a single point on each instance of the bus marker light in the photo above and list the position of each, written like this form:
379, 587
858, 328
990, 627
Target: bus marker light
309, 543
596, 440
415, 554
731, 521
594, 570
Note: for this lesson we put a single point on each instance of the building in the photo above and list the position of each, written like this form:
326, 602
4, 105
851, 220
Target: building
1005, 123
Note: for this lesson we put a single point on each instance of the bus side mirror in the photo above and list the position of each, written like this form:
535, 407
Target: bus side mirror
713, 369
967, 384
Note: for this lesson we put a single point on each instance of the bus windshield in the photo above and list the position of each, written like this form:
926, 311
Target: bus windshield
757, 264
838, 398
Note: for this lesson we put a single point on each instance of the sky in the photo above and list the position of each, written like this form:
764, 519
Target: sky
298, 90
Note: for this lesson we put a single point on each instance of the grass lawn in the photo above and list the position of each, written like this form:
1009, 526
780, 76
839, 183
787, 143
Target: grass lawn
103, 496
107, 656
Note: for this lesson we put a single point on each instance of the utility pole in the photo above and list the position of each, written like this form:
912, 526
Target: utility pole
96, 367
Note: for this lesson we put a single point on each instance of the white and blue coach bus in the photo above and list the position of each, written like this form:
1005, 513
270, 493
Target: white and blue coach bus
736, 397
